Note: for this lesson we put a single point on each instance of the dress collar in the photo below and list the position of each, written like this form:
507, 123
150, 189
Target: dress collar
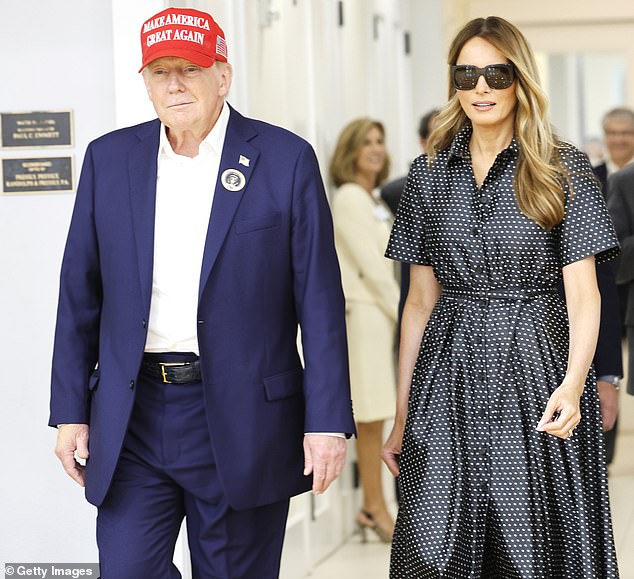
460, 145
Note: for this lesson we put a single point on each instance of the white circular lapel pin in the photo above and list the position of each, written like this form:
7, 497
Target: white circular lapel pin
233, 180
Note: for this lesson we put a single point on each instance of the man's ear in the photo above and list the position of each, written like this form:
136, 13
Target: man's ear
225, 76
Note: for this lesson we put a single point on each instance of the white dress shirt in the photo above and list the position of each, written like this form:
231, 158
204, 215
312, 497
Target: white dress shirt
184, 194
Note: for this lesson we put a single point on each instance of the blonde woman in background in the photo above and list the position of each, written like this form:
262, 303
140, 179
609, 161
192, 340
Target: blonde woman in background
362, 227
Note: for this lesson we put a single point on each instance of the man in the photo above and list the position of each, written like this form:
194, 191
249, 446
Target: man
618, 134
621, 206
198, 243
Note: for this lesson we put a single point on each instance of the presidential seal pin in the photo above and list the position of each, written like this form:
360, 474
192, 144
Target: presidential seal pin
233, 180
244, 161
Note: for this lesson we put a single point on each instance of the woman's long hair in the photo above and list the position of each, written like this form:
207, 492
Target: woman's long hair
541, 177
343, 166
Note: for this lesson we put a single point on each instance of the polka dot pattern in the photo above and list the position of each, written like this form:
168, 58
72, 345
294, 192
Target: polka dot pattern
483, 493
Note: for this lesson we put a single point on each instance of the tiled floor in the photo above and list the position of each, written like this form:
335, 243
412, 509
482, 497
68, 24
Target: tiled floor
370, 561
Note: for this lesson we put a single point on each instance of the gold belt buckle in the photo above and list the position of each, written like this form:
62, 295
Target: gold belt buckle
164, 365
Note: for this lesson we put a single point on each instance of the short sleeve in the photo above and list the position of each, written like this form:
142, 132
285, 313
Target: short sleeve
587, 228
407, 239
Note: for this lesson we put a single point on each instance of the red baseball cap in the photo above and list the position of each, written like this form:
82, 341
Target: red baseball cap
183, 32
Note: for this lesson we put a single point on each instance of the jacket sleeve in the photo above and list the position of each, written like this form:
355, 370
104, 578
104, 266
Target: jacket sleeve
608, 356
354, 224
622, 213
76, 345
319, 303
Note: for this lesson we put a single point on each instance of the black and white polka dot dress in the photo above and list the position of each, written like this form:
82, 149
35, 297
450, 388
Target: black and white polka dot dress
484, 495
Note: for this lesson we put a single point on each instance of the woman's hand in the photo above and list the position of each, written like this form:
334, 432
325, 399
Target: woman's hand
562, 412
391, 452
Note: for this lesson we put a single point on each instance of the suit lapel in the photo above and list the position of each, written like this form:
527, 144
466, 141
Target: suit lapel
226, 202
142, 168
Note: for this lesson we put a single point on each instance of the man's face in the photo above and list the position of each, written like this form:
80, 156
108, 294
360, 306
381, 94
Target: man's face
187, 97
619, 139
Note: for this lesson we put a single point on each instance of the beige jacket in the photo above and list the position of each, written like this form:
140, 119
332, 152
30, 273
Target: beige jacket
362, 229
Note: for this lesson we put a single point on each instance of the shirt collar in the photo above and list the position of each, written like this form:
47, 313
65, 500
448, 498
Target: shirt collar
460, 144
613, 168
214, 141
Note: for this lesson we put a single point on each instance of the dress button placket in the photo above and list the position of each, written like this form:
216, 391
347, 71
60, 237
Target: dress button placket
481, 414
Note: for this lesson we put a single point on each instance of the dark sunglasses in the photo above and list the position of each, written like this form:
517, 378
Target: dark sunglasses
466, 76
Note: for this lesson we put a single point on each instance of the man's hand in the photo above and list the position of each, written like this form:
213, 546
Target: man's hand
72, 438
609, 402
324, 457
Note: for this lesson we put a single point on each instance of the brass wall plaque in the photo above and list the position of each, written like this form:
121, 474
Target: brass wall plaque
37, 175
37, 129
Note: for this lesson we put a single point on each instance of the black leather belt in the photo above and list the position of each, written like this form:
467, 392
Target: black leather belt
171, 372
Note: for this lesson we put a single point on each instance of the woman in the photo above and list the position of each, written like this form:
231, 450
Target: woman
362, 228
494, 484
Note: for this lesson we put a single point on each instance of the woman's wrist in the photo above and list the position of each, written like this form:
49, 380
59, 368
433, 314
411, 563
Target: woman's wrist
573, 384
399, 422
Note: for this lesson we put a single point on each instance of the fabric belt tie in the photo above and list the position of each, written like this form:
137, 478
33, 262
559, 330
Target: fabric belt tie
518, 298
512, 294
168, 372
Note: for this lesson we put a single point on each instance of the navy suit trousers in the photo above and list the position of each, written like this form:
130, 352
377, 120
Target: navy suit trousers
166, 472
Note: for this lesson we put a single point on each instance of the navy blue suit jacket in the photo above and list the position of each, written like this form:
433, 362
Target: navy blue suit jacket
269, 264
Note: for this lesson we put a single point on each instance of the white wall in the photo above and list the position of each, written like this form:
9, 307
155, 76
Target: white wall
55, 55
313, 76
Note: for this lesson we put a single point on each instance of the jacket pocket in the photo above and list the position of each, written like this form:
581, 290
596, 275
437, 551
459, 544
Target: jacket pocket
283, 385
256, 223
93, 380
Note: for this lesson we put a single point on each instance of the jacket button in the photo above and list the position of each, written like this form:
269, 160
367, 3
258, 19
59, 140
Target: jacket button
200, 322
144, 323
131, 384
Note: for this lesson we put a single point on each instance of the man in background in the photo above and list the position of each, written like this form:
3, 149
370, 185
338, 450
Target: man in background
618, 136
621, 207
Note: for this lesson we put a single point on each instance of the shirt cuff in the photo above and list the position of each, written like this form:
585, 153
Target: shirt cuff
337, 434
611, 378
